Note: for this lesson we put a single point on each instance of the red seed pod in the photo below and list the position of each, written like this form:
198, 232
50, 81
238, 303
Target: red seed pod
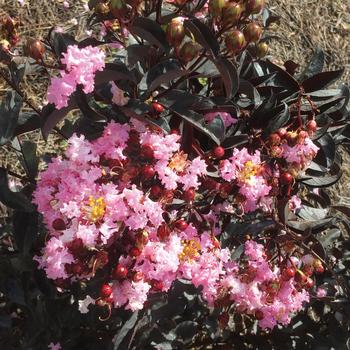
135, 252
148, 172
311, 126
175, 32
147, 151
235, 41
35, 49
58, 225
119, 272
252, 32
157, 285
254, 6
181, 224
231, 13
189, 51
138, 276
288, 273
189, 195
163, 232
105, 291
157, 107
218, 152
286, 178
156, 191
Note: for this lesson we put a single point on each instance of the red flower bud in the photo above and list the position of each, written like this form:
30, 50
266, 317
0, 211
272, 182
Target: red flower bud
148, 172
189, 51
35, 49
235, 41
175, 32
147, 151
181, 224
252, 32
262, 50
189, 195
119, 272
254, 6
286, 178
163, 232
105, 291
218, 152
58, 225
231, 13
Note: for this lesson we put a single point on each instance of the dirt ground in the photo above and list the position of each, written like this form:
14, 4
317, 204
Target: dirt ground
304, 24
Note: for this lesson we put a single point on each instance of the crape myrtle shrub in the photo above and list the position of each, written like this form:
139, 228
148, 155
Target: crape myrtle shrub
189, 208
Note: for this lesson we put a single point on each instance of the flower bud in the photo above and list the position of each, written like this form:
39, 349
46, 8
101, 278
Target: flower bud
175, 32
102, 9
254, 6
252, 32
235, 41
231, 13
216, 7
262, 50
118, 8
35, 49
189, 51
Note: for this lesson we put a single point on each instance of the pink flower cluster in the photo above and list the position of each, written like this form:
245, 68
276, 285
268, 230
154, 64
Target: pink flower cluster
247, 172
106, 205
301, 154
80, 68
261, 290
226, 118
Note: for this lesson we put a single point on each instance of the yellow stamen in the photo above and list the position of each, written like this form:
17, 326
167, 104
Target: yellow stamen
178, 162
190, 250
249, 170
96, 208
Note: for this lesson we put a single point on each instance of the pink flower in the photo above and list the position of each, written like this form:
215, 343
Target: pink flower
321, 292
53, 346
81, 66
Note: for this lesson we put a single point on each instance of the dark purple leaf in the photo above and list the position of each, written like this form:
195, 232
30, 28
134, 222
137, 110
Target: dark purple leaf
321, 80
9, 112
150, 31
229, 76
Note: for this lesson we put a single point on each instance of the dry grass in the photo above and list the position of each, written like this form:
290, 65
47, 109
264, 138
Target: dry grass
304, 24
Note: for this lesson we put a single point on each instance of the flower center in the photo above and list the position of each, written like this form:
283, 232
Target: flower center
178, 162
96, 208
190, 250
249, 170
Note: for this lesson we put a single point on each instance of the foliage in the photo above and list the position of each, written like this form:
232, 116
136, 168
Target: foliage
173, 90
